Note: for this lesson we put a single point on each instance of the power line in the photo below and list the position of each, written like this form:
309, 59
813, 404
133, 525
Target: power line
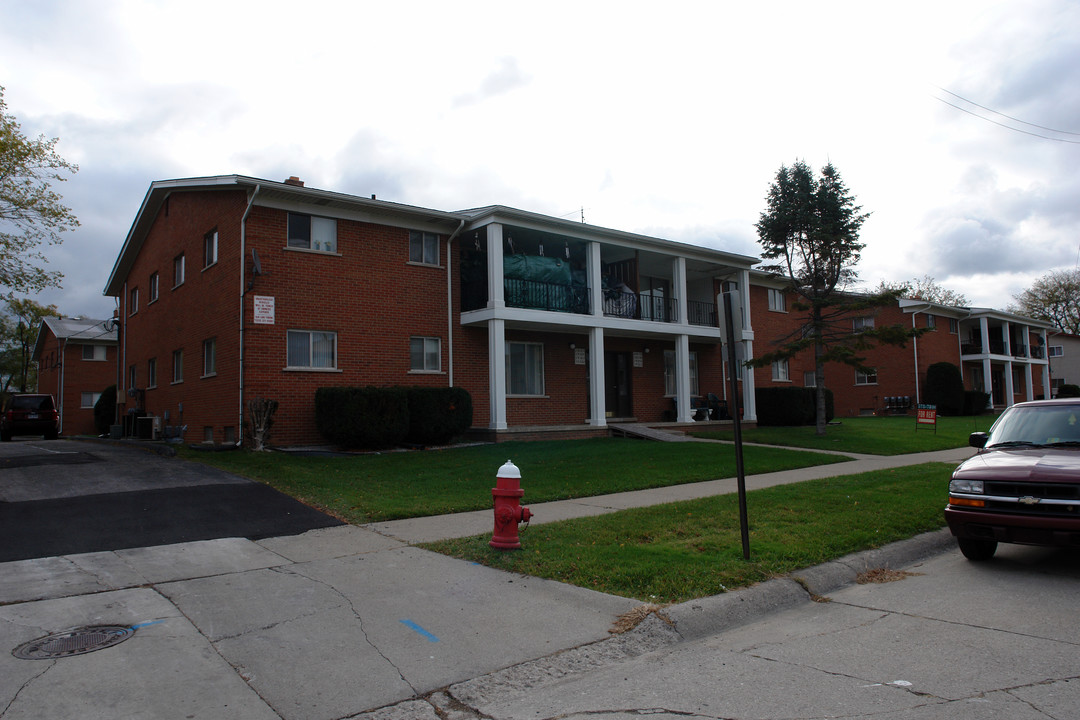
1009, 127
1010, 117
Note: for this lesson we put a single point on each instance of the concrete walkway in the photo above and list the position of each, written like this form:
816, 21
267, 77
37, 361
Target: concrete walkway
338, 621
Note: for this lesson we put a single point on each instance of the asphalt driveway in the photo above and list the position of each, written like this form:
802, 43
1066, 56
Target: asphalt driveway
60, 497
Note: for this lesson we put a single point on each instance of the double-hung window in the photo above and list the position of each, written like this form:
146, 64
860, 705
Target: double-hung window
210, 248
524, 368
93, 352
310, 232
866, 378
669, 373
89, 399
425, 354
152, 291
423, 247
780, 371
178, 366
133, 301
178, 270
777, 301
209, 357
1056, 351
861, 324
151, 373
312, 349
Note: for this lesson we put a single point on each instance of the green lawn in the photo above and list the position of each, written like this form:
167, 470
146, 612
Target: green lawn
870, 435
671, 553
386, 486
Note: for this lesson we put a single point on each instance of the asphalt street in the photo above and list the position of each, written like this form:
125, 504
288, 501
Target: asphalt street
60, 497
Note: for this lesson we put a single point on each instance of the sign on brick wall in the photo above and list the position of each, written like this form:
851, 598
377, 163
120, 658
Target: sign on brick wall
264, 310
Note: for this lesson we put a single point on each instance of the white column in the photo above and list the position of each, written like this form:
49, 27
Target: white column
596, 281
497, 373
597, 378
1010, 391
1030, 394
682, 377
1046, 380
749, 394
678, 286
984, 328
496, 296
1006, 339
988, 383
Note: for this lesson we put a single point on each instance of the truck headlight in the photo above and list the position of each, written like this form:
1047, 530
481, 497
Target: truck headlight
974, 487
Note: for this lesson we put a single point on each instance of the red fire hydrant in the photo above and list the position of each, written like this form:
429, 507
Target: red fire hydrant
508, 510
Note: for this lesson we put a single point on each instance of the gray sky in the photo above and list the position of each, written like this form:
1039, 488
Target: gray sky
665, 119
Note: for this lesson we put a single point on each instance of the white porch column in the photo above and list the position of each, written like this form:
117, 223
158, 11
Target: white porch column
596, 281
497, 373
496, 296
1006, 337
682, 377
678, 285
1047, 392
1030, 392
988, 383
1010, 391
597, 378
984, 329
749, 394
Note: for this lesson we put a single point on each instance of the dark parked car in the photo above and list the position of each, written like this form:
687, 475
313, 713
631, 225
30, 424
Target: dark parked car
1023, 486
29, 414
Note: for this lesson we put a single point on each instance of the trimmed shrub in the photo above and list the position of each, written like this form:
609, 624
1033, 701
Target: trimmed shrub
370, 418
1068, 391
945, 388
438, 415
975, 402
105, 410
790, 405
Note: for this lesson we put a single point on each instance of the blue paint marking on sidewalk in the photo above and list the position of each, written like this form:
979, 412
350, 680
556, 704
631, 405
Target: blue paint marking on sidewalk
142, 625
422, 631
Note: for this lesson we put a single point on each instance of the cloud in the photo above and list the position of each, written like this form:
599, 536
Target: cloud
504, 78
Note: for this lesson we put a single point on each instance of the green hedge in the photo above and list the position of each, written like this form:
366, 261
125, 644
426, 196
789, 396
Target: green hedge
1068, 391
975, 402
945, 389
787, 406
373, 418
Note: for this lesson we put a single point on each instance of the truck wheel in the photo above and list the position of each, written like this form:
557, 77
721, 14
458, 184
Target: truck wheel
977, 550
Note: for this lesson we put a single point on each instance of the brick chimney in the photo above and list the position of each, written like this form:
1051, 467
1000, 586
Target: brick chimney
293, 180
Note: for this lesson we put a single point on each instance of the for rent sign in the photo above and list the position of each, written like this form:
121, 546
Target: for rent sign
927, 416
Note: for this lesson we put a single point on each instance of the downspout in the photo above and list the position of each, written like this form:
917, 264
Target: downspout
915, 349
450, 305
243, 292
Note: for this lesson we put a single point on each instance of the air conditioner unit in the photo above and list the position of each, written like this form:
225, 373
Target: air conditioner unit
157, 427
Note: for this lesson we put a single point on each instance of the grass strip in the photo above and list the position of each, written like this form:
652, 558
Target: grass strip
388, 486
868, 435
680, 551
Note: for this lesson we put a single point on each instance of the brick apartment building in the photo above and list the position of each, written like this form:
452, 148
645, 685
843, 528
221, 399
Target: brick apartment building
232, 288
76, 360
998, 353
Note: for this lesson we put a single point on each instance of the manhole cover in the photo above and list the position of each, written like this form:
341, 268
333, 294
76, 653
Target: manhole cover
73, 642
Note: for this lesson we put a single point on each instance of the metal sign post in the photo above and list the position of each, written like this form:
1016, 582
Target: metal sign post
733, 325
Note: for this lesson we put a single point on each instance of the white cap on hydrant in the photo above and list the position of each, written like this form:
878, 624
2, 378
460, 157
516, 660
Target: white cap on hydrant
509, 470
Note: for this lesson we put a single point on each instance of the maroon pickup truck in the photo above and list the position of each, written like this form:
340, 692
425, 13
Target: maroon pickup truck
1023, 486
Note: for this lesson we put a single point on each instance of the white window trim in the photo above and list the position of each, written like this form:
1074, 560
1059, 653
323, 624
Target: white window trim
865, 382
426, 371
175, 366
104, 353
309, 368
133, 301
777, 365
153, 288
777, 300
205, 344
438, 249
206, 237
309, 248
151, 373
178, 281
543, 371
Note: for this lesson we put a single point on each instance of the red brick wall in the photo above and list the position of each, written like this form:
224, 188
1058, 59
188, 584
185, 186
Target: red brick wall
60, 362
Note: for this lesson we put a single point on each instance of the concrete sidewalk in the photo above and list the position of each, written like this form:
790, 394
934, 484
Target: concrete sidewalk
335, 622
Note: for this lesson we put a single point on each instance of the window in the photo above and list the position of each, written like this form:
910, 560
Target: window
208, 433
311, 349
869, 378
669, 373
425, 354
178, 270
132, 377
151, 373
777, 300
954, 326
931, 321
1056, 351
860, 324
209, 357
210, 248
312, 233
809, 379
89, 400
178, 366
133, 301
93, 352
524, 368
780, 371
423, 247
153, 290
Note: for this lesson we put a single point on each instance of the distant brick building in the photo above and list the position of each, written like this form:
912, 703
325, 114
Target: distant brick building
233, 288
76, 360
